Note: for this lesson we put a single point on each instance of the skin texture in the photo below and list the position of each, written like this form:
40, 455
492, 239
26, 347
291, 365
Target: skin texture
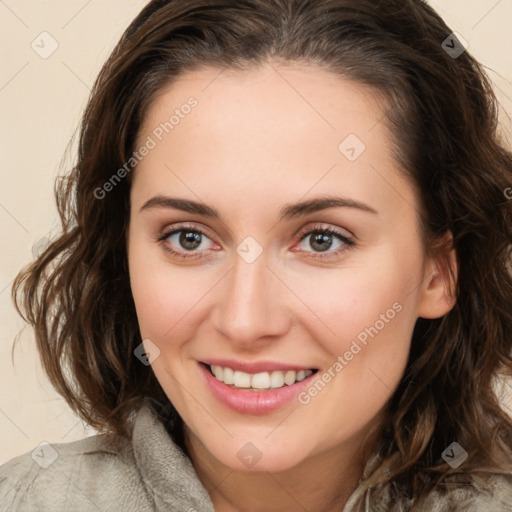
256, 141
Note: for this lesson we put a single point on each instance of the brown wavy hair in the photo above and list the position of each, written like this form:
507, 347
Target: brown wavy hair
443, 115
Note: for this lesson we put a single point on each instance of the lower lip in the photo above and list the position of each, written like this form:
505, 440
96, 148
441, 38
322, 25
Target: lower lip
253, 402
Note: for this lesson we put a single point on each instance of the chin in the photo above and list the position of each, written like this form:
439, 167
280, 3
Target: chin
258, 456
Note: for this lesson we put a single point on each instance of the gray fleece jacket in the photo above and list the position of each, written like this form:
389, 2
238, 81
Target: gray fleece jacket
150, 473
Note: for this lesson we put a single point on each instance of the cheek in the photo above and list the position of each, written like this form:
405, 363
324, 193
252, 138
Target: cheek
372, 314
372, 298
150, 287
165, 296
368, 315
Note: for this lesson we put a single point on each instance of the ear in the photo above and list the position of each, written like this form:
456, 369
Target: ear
437, 293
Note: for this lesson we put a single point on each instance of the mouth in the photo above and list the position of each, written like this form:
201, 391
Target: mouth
258, 382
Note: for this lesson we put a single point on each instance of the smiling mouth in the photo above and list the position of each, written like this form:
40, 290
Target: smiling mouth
261, 381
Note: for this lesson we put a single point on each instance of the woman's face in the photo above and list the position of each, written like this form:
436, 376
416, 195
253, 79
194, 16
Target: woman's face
260, 290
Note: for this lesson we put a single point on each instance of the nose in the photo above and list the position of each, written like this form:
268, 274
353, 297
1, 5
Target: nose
253, 304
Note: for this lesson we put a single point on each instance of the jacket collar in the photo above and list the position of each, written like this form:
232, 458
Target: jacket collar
167, 472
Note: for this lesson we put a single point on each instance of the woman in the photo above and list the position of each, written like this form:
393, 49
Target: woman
283, 281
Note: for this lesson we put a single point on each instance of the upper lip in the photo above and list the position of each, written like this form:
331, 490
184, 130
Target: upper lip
255, 366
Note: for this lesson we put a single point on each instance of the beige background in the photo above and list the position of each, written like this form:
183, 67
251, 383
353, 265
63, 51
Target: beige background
41, 101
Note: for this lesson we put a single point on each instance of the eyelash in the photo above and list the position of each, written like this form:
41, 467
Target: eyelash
349, 243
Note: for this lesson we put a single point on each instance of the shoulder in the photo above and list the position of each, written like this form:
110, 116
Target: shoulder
84, 473
492, 494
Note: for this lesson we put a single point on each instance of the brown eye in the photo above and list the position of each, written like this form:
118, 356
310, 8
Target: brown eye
184, 242
321, 240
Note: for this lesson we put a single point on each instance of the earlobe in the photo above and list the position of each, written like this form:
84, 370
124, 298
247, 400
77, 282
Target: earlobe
438, 290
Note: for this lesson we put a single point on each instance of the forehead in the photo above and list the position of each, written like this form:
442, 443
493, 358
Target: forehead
293, 126
294, 96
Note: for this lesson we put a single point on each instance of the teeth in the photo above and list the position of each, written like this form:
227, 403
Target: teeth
260, 380
289, 377
241, 380
228, 376
276, 380
301, 375
263, 380
218, 372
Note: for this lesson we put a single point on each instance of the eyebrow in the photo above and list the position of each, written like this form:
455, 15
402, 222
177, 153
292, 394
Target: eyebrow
289, 211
